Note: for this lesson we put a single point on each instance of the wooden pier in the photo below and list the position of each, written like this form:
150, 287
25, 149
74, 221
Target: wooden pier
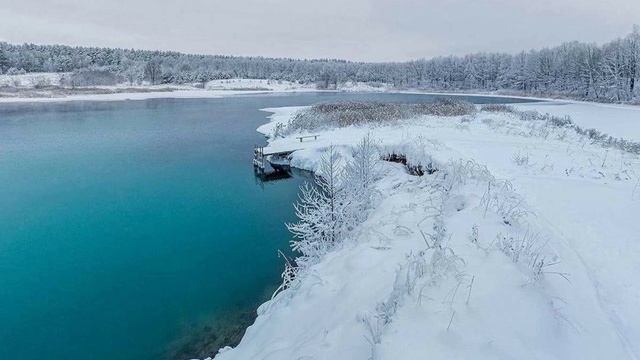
271, 162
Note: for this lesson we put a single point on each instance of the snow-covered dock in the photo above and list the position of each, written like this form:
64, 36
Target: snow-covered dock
277, 156
262, 153
273, 162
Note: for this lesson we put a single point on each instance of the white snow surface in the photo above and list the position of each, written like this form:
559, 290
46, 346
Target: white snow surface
175, 94
577, 203
257, 84
31, 80
212, 89
622, 121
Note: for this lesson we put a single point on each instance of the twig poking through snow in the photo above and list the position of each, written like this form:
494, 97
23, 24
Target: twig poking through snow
470, 288
451, 320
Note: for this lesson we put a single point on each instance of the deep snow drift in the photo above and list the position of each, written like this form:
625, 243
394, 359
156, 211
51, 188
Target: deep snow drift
523, 243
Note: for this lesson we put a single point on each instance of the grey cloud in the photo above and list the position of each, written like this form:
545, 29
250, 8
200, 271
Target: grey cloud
359, 30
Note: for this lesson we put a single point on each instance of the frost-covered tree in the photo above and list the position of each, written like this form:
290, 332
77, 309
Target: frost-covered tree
607, 72
632, 59
320, 210
133, 72
361, 171
340, 199
4, 62
152, 70
330, 181
310, 231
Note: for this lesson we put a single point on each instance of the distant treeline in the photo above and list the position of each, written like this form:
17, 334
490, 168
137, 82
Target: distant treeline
607, 72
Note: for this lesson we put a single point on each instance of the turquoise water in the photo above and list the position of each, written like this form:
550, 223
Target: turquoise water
124, 223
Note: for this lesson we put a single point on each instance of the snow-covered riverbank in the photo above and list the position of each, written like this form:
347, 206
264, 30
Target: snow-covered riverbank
48, 87
617, 120
522, 244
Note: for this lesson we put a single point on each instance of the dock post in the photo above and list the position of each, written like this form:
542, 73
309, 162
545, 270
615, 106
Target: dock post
262, 157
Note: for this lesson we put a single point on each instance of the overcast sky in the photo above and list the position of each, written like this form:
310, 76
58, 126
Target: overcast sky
371, 30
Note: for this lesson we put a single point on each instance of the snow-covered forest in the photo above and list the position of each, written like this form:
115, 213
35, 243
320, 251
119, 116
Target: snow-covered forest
607, 72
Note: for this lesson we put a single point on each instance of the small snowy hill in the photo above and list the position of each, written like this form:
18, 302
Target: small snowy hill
521, 243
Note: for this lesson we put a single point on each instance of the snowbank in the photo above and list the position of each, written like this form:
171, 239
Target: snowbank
256, 85
621, 121
618, 120
278, 117
31, 80
523, 244
47, 87
283, 86
120, 96
362, 87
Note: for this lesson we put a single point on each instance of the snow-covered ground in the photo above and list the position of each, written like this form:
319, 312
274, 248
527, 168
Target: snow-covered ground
256, 85
537, 237
47, 87
31, 80
621, 121
120, 96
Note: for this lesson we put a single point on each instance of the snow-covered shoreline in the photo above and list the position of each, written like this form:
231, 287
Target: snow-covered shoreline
178, 94
151, 92
577, 204
572, 201
622, 121
615, 119
28, 83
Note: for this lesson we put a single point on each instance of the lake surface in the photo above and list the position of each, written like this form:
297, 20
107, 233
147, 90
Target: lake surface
126, 225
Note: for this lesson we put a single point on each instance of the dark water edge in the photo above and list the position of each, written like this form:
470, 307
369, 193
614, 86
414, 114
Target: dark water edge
204, 339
